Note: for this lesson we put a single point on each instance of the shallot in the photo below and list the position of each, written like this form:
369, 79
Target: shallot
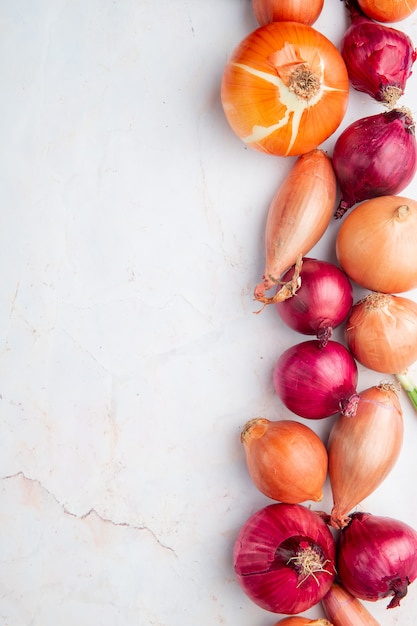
298, 216
286, 460
363, 449
343, 609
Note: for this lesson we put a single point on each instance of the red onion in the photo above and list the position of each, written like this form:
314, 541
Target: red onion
375, 156
377, 557
284, 558
322, 303
316, 382
378, 59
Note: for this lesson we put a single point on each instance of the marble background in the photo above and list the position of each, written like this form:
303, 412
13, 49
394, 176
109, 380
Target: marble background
131, 239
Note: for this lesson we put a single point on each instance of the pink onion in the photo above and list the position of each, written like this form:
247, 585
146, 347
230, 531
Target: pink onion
284, 558
315, 382
322, 303
377, 557
375, 156
378, 59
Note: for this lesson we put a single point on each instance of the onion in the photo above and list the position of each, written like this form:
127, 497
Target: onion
322, 302
375, 156
381, 332
376, 244
267, 11
287, 461
284, 558
302, 621
315, 382
377, 557
388, 10
378, 59
363, 449
346, 610
298, 216
285, 89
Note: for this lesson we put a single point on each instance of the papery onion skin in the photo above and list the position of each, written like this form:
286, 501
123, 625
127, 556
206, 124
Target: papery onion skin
379, 59
377, 558
376, 244
323, 301
285, 89
266, 564
363, 449
343, 609
302, 621
267, 11
381, 332
388, 10
286, 460
375, 156
298, 216
315, 382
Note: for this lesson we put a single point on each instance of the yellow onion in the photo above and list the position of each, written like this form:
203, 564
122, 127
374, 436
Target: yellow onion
286, 460
267, 11
297, 620
376, 245
381, 332
346, 610
363, 449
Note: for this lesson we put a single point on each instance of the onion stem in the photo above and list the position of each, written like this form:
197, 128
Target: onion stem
407, 383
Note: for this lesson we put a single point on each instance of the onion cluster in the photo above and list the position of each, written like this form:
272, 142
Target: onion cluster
287, 556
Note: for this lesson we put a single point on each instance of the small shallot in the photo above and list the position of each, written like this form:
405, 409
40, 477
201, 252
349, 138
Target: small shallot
322, 302
343, 609
315, 382
284, 558
298, 216
377, 558
375, 156
378, 58
363, 449
286, 460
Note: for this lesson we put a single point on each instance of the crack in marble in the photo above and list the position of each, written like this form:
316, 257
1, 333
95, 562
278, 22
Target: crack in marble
91, 512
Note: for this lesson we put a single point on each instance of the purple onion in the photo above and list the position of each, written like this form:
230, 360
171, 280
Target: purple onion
375, 156
377, 557
378, 58
322, 303
316, 382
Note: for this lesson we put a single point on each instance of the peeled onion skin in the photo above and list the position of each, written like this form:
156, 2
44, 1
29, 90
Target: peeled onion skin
363, 449
377, 558
284, 558
343, 609
376, 244
267, 11
286, 460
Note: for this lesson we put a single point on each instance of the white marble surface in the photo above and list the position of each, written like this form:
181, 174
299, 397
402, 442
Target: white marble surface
132, 238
